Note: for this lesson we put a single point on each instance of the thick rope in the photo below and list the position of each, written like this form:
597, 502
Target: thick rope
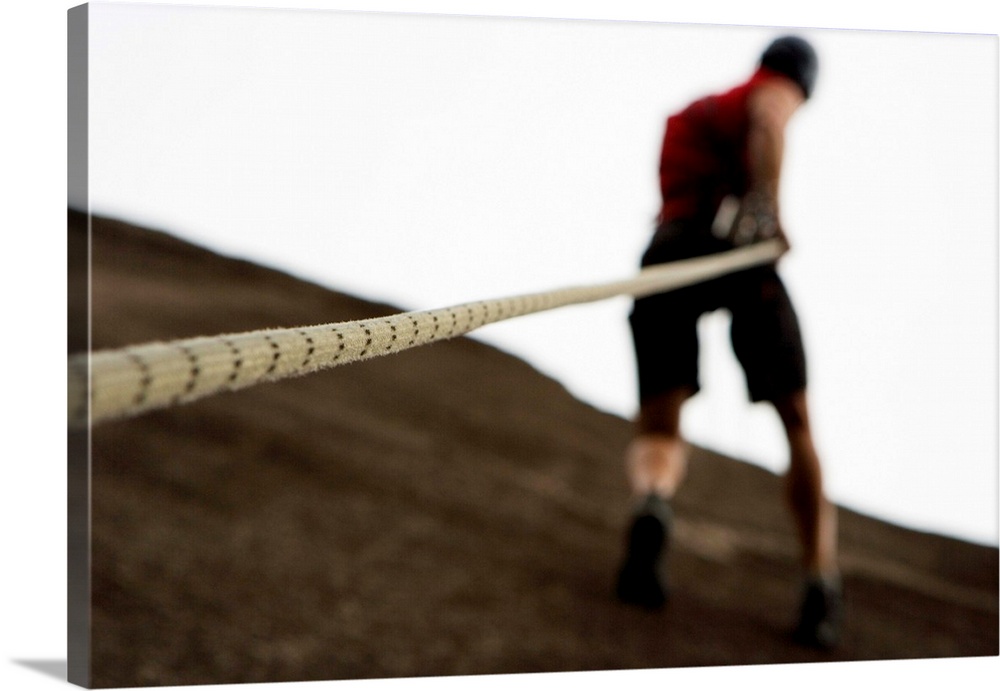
129, 381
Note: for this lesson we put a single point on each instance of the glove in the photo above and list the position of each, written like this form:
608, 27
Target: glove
756, 221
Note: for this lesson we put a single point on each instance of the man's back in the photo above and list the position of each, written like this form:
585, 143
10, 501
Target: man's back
704, 153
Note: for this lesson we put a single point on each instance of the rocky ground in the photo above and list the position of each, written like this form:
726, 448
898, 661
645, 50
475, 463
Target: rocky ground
443, 511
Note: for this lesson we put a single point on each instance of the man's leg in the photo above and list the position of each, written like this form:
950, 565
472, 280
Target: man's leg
816, 520
665, 335
815, 517
656, 462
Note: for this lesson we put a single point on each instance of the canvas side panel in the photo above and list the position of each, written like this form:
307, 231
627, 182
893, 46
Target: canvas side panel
78, 282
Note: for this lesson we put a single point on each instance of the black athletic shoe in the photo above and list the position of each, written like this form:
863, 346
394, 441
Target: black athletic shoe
642, 578
821, 615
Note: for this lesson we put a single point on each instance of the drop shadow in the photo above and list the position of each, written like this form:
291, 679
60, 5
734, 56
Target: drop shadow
51, 668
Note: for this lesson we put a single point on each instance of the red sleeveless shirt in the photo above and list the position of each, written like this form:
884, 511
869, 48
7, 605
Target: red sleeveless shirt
704, 155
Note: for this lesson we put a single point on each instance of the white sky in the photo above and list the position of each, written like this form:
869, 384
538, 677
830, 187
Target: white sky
917, 417
433, 160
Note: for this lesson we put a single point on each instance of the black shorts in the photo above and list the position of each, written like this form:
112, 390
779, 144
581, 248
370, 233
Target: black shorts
765, 330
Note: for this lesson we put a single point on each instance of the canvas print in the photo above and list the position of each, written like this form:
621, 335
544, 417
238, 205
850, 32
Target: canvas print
409, 345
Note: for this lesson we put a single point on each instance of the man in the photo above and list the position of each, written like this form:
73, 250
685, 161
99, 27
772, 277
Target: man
719, 148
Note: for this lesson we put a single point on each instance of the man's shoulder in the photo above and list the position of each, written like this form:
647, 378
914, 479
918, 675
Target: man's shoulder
773, 101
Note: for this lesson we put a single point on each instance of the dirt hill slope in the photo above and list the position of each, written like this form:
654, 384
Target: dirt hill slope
447, 510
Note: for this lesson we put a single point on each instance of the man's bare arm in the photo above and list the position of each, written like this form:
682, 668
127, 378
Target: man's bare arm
771, 106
